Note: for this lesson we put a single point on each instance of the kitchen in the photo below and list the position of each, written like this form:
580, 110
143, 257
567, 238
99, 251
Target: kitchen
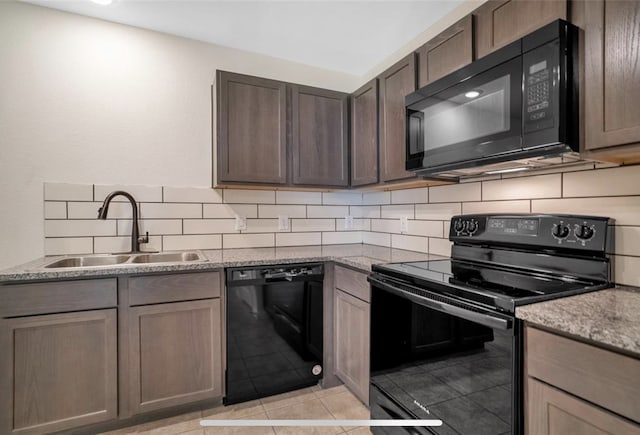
89, 113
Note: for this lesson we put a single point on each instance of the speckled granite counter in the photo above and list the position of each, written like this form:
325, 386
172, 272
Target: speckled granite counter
608, 317
359, 256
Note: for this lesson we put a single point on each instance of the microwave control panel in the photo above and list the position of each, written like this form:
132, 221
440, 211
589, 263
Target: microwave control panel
540, 66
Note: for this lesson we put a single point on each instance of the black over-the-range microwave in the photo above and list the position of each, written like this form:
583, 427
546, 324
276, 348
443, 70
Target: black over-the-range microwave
512, 110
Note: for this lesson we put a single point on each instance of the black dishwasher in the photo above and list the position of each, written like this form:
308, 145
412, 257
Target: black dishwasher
274, 330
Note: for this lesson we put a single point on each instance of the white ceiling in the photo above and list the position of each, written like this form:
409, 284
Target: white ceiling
347, 36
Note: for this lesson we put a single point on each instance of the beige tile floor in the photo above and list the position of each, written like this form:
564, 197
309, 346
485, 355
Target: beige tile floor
309, 403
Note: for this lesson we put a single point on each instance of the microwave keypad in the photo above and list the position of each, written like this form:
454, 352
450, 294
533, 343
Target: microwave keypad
538, 100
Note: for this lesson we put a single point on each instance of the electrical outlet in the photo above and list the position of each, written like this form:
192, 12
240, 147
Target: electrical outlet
241, 222
404, 224
283, 222
348, 222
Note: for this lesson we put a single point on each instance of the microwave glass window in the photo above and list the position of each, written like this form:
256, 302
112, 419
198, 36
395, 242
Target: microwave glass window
478, 112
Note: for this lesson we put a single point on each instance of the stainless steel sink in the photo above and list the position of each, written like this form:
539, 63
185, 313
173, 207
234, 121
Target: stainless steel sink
124, 260
89, 261
168, 257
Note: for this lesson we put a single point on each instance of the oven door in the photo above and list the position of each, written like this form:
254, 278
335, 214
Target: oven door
434, 357
478, 116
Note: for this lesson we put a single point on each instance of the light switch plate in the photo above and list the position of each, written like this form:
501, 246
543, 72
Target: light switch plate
348, 222
404, 224
241, 222
283, 222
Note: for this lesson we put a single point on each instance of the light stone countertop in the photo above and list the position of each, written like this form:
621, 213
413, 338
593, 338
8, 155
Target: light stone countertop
359, 256
609, 317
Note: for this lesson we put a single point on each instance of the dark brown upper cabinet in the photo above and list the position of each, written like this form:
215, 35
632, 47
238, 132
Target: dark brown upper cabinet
251, 129
395, 84
450, 50
320, 142
499, 22
611, 84
364, 135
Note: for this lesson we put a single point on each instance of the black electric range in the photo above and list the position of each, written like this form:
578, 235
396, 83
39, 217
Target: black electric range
445, 342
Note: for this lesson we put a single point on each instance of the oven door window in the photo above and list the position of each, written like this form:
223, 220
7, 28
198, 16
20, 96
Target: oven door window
434, 365
477, 117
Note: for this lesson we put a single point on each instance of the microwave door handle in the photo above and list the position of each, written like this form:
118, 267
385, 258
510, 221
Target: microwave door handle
473, 316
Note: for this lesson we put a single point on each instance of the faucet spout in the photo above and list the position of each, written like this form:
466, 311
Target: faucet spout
136, 240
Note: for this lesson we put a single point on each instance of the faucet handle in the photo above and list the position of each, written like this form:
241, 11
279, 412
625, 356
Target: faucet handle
144, 239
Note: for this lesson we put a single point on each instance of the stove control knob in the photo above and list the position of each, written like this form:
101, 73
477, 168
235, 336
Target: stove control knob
472, 227
560, 231
584, 232
459, 226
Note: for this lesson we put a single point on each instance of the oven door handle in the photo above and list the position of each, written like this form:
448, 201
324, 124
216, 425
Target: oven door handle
473, 316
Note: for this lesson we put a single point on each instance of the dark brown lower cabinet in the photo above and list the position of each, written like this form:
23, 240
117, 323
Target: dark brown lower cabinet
351, 329
174, 354
58, 371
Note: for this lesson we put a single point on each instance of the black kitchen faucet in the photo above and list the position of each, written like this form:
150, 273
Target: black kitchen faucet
136, 239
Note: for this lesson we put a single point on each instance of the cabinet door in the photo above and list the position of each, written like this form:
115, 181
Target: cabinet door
612, 74
251, 129
499, 22
174, 354
364, 135
450, 50
395, 84
320, 147
58, 371
352, 343
553, 412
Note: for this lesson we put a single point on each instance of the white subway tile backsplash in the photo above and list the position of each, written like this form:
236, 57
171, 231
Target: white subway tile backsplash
455, 193
624, 209
602, 182
298, 239
68, 192
358, 225
380, 239
327, 211
89, 210
410, 243
627, 240
425, 228
232, 196
192, 194
248, 240
397, 211
78, 228
273, 211
443, 211
262, 226
342, 198
341, 238
519, 206
365, 211
385, 225
440, 247
177, 243
208, 226
55, 210
626, 270
541, 186
375, 198
410, 196
229, 211
302, 225
112, 245
302, 198
139, 193
153, 226
170, 211
68, 245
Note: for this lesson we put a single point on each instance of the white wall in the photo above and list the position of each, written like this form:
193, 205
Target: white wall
88, 101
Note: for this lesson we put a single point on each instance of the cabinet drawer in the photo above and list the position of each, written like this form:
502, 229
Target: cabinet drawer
57, 297
172, 288
605, 378
352, 282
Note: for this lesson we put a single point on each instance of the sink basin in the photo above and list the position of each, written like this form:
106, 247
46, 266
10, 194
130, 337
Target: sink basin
167, 257
89, 261
124, 260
